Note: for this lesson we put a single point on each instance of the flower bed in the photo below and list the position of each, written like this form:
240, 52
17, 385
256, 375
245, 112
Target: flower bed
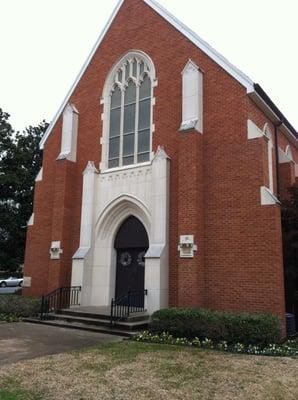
287, 349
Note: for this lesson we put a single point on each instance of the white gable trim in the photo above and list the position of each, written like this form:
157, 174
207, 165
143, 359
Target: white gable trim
192, 36
213, 54
204, 46
81, 73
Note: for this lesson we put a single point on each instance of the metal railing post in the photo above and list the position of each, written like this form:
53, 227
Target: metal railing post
59, 298
112, 311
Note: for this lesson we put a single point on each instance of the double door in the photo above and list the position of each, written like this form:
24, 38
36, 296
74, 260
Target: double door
130, 273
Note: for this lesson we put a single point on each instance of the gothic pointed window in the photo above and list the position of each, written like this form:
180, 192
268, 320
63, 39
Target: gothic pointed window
270, 146
130, 113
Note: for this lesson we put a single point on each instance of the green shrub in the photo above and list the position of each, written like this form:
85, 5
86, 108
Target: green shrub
8, 318
217, 326
19, 306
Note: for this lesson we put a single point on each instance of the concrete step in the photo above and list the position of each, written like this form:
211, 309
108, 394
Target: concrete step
138, 316
128, 324
85, 327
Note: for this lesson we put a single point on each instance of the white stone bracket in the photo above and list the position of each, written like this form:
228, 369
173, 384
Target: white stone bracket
186, 246
55, 250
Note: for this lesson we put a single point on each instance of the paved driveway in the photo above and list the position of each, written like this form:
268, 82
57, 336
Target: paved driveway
8, 290
22, 340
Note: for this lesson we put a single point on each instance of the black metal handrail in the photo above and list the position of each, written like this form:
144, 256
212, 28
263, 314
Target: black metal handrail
63, 297
123, 306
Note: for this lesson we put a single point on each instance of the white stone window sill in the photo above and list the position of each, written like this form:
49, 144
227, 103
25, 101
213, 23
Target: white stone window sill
126, 167
66, 156
267, 197
188, 125
63, 156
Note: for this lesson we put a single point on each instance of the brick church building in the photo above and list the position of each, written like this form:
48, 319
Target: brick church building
163, 171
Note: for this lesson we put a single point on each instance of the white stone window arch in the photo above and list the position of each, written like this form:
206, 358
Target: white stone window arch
289, 153
192, 97
128, 112
268, 134
69, 133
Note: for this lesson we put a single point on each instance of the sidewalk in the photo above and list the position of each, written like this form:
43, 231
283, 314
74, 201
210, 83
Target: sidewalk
22, 340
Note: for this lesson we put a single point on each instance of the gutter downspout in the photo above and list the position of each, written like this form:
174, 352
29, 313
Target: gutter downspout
276, 126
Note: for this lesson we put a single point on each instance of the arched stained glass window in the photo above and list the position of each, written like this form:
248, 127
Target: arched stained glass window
130, 119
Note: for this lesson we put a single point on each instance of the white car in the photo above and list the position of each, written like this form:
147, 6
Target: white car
11, 282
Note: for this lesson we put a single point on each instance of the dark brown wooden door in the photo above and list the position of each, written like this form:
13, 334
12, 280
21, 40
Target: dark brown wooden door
130, 270
131, 244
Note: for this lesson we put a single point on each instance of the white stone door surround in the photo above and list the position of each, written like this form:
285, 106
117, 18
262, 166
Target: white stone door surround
108, 199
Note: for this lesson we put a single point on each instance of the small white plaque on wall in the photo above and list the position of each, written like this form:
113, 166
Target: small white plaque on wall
186, 246
27, 281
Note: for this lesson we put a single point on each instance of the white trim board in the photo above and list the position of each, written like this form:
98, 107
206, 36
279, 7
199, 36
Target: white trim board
202, 45
81, 73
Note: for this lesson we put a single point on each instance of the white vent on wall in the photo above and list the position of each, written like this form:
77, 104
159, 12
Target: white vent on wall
192, 98
69, 134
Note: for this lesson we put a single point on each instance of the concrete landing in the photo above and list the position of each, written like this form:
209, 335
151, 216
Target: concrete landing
99, 310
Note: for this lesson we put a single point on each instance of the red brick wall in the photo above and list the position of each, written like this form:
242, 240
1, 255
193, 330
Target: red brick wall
287, 170
283, 142
215, 177
190, 196
287, 179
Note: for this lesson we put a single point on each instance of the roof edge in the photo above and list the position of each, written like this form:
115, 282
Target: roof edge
261, 92
263, 101
254, 90
80, 74
204, 46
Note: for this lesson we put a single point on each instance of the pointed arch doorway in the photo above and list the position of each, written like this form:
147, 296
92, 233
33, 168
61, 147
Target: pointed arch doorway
131, 244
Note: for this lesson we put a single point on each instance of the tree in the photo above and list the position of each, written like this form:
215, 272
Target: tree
20, 161
290, 249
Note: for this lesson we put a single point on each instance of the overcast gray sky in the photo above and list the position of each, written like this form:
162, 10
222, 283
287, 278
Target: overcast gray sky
44, 43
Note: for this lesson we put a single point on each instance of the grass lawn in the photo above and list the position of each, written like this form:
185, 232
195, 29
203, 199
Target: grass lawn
136, 371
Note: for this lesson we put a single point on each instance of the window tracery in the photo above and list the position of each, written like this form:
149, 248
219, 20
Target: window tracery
130, 113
